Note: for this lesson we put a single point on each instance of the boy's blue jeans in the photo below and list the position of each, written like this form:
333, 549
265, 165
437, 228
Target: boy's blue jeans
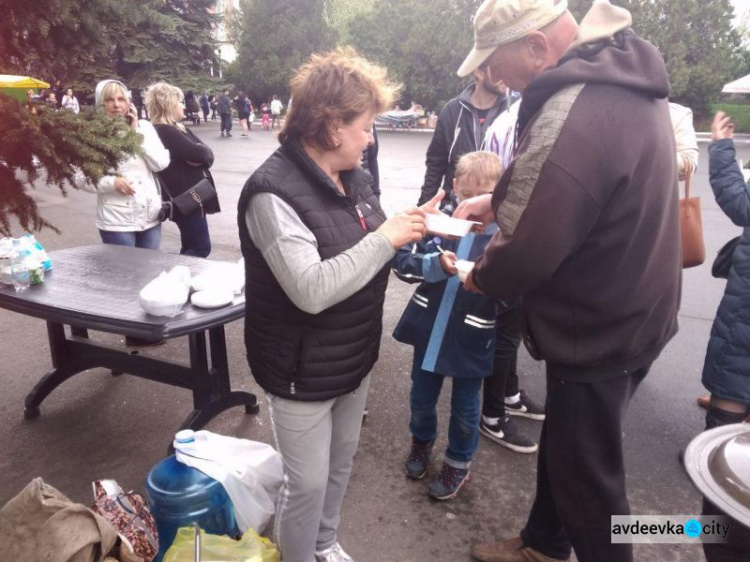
463, 429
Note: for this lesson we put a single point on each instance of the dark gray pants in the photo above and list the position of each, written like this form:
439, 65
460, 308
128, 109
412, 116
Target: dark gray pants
226, 122
580, 471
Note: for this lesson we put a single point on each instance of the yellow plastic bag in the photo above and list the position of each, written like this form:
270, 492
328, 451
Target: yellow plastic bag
214, 548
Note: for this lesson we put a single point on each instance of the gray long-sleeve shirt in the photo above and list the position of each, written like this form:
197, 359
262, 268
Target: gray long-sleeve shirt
291, 251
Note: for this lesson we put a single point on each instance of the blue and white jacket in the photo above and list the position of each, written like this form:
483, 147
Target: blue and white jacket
453, 329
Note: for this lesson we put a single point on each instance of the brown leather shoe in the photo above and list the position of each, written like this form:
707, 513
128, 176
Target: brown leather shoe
511, 550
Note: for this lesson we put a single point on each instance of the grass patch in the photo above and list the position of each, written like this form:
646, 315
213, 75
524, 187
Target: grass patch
739, 112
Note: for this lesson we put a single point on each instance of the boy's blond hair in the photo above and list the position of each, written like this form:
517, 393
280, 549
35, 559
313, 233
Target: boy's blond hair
479, 168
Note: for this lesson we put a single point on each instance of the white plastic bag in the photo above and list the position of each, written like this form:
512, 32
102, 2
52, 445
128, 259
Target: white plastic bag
251, 473
165, 295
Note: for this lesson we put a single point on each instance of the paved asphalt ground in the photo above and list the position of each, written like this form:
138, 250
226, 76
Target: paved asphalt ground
97, 426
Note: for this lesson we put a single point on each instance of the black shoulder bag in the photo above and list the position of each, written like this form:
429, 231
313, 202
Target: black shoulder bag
723, 262
190, 201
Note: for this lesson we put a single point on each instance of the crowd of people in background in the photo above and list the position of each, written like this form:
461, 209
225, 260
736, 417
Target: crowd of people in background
205, 105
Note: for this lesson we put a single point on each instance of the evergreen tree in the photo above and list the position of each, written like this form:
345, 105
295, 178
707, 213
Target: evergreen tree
80, 43
63, 142
171, 42
275, 39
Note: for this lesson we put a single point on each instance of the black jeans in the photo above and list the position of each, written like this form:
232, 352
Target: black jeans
504, 379
580, 471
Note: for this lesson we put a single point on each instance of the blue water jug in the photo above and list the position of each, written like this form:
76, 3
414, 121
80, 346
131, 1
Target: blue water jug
179, 495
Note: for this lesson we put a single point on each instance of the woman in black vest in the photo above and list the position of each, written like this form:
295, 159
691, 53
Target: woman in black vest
189, 163
317, 249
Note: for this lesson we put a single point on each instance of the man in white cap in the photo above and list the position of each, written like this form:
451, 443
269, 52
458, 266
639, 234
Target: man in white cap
589, 236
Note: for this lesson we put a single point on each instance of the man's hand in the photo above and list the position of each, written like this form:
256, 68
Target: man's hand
470, 286
477, 208
722, 127
448, 262
123, 186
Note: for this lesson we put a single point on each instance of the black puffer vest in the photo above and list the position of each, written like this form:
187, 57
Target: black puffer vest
294, 354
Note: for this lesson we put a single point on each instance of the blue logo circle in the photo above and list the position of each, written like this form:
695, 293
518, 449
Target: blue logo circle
693, 528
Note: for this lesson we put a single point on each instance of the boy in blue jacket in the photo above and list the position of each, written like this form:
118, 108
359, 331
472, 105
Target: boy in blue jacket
453, 334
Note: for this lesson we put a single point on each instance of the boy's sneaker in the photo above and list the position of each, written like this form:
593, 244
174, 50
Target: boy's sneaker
448, 483
506, 433
332, 554
526, 408
419, 457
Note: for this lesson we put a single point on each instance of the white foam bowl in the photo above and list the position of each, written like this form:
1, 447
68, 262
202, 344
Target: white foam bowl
464, 267
212, 298
448, 226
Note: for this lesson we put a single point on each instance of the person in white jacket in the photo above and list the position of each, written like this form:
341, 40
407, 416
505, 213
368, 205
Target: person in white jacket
129, 200
70, 102
685, 139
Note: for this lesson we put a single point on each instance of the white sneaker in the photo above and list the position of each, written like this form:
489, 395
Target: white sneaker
333, 554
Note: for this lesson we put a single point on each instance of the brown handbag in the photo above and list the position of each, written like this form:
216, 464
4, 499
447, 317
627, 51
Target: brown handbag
691, 227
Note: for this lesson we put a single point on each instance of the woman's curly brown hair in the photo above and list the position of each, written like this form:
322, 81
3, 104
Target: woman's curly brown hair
333, 88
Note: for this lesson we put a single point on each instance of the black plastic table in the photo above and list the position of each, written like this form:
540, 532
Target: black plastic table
96, 288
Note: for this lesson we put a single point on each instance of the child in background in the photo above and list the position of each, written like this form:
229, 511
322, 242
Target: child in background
453, 334
265, 113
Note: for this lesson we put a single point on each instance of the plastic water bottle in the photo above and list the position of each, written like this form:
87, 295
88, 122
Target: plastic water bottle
19, 271
179, 495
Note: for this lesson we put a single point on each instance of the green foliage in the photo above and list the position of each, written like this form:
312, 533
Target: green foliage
63, 142
421, 43
739, 112
341, 13
275, 39
172, 42
80, 43
701, 49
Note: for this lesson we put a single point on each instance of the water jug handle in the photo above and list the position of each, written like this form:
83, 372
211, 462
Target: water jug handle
197, 542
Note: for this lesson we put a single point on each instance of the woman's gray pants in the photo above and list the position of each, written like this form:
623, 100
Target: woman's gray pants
317, 442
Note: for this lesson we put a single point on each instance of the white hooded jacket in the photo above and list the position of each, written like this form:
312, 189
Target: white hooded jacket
138, 212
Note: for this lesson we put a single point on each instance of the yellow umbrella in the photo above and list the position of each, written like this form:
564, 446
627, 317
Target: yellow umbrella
10, 81
16, 86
